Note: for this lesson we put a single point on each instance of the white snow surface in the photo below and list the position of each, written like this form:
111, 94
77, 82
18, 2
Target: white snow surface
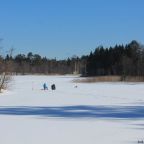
92, 113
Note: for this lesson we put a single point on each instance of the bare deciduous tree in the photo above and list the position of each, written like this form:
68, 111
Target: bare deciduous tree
6, 72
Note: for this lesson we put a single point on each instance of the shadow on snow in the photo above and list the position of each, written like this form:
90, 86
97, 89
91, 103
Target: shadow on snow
81, 111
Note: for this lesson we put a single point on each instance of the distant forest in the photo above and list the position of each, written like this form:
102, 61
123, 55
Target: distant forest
122, 60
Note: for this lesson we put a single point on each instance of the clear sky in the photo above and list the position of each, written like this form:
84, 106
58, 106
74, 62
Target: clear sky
63, 28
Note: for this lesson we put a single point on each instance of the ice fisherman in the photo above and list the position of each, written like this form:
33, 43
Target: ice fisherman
45, 86
53, 87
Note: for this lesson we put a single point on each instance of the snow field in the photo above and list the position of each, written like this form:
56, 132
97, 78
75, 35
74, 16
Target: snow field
103, 113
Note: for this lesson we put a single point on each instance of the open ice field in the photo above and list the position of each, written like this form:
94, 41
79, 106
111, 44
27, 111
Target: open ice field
98, 113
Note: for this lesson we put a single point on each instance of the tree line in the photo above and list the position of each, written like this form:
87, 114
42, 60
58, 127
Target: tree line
122, 60
35, 64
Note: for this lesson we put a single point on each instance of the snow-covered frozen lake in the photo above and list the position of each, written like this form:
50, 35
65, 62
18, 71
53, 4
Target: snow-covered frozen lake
92, 113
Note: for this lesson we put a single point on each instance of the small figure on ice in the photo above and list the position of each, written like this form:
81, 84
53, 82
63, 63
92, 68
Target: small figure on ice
53, 87
75, 86
45, 86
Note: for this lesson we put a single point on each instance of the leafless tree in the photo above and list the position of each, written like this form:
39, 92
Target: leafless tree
6, 72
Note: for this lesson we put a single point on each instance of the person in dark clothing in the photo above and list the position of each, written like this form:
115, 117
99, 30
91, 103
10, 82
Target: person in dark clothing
53, 87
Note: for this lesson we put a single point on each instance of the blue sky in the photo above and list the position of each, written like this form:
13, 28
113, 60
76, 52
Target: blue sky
63, 28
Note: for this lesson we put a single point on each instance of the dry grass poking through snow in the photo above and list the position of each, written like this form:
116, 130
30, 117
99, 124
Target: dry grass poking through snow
99, 79
109, 79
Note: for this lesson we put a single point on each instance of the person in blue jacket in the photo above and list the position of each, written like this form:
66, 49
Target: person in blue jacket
45, 86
